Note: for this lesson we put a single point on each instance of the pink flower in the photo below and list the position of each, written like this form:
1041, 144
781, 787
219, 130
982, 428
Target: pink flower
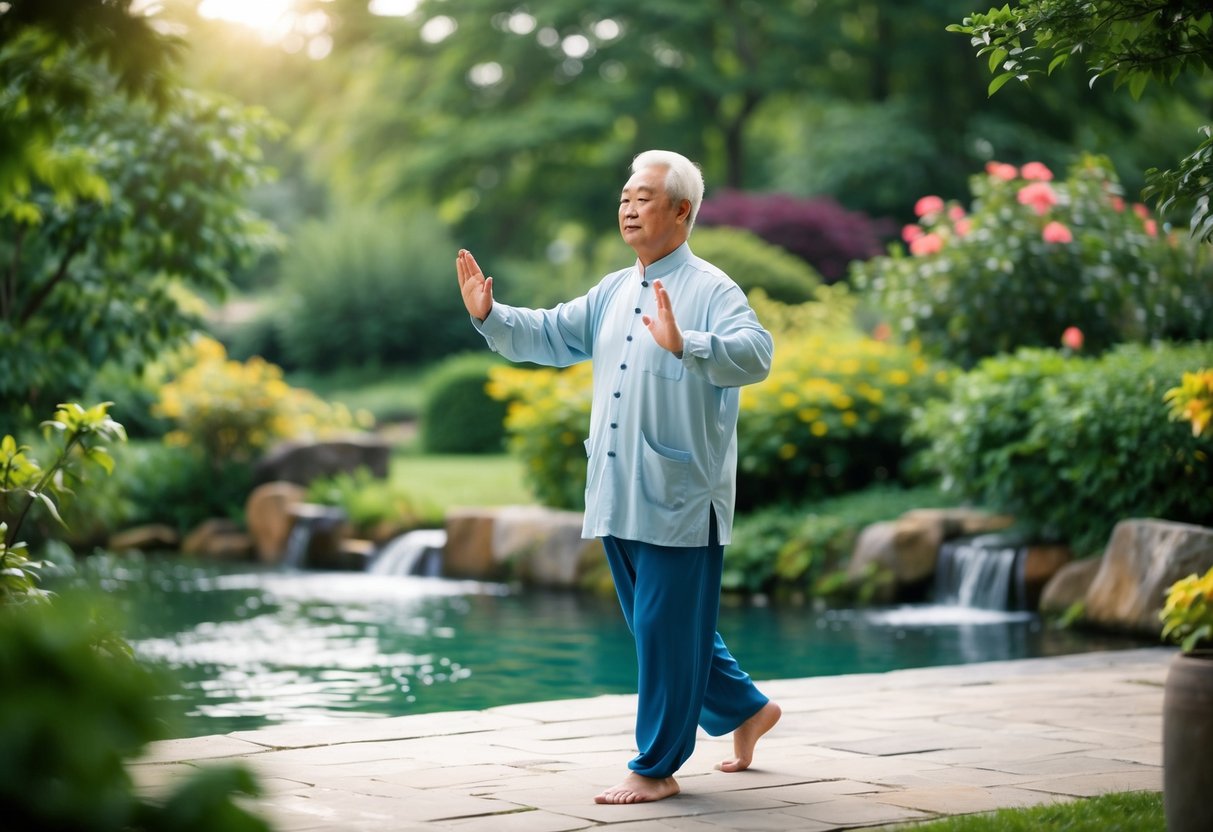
882, 331
928, 205
1055, 232
955, 213
911, 232
1151, 228
1039, 195
1141, 210
1118, 204
1001, 170
926, 244
962, 226
1036, 171
1072, 338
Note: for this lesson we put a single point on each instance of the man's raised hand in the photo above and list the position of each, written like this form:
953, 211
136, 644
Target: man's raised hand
477, 290
664, 328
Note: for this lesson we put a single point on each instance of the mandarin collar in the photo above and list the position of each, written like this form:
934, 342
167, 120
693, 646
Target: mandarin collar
666, 265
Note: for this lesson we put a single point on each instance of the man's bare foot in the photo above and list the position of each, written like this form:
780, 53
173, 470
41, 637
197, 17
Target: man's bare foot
637, 788
747, 735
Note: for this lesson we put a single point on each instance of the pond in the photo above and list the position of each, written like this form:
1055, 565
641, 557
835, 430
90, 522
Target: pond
254, 647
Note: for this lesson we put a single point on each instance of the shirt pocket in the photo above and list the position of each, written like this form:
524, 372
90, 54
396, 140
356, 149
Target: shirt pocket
660, 362
665, 474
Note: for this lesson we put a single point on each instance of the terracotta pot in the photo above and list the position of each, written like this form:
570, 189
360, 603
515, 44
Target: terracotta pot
1187, 743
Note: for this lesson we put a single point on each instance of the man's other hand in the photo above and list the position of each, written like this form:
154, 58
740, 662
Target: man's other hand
477, 290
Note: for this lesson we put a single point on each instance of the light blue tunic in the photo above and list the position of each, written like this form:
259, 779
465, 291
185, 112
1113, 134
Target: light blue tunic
663, 431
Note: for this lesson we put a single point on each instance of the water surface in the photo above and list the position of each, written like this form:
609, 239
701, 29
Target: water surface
256, 647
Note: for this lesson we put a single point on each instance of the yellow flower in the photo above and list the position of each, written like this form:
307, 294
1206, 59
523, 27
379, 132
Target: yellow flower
850, 418
819, 428
787, 450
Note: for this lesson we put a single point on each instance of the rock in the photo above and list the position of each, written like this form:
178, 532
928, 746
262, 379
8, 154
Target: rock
1068, 586
150, 538
469, 545
1142, 559
1040, 564
875, 546
960, 522
539, 546
218, 539
908, 547
268, 514
303, 462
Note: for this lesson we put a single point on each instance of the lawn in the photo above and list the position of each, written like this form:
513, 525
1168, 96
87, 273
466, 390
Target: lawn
1125, 812
445, 481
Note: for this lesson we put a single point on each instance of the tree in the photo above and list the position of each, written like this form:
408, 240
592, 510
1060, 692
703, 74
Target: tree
124, 191
1130, 41
513, 122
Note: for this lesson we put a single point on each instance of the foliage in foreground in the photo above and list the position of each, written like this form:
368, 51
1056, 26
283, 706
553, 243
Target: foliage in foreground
1071, 446
80, 436
1120, 812
74, 708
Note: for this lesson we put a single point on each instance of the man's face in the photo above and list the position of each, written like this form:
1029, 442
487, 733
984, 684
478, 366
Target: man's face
648, 220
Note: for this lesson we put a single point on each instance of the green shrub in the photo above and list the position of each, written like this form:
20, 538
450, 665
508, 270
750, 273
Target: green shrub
376, 508
1071, 446
74, 708
459, 416
177, 486
370, 286
756, 264
797, 547
1034, 257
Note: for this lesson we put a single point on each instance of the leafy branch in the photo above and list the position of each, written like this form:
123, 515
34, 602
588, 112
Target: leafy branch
24, 482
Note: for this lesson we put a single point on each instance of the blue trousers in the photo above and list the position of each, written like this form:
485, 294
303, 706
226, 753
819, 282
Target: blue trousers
671, 600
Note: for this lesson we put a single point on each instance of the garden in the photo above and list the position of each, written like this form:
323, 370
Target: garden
222, 234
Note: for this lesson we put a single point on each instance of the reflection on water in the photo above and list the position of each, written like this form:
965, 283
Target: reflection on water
257, 647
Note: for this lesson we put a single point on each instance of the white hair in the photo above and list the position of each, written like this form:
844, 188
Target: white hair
683, 179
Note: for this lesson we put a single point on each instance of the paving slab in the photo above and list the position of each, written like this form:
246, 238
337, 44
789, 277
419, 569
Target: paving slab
852, 752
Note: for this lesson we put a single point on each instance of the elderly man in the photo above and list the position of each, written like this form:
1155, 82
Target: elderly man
672, 339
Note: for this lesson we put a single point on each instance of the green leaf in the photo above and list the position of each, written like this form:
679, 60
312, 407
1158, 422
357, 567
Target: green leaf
998, 82
996, 57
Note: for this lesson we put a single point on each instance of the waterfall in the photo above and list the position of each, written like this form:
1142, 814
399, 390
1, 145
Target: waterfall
315, 526
413, 553
985, 572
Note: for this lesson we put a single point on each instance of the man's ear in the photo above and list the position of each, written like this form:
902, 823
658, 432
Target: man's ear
684, 210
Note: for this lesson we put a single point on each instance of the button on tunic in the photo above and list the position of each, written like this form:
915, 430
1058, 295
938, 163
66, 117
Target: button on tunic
662, 448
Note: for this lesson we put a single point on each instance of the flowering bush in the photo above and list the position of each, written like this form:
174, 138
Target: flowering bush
1187, 615
1033, 256
1071, 445
1192, 401
231, 410
831, 415
547, 418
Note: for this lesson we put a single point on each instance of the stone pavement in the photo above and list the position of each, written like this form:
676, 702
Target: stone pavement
855, 751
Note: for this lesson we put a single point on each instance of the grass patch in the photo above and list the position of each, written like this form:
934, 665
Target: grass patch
1122, 812
442, 481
